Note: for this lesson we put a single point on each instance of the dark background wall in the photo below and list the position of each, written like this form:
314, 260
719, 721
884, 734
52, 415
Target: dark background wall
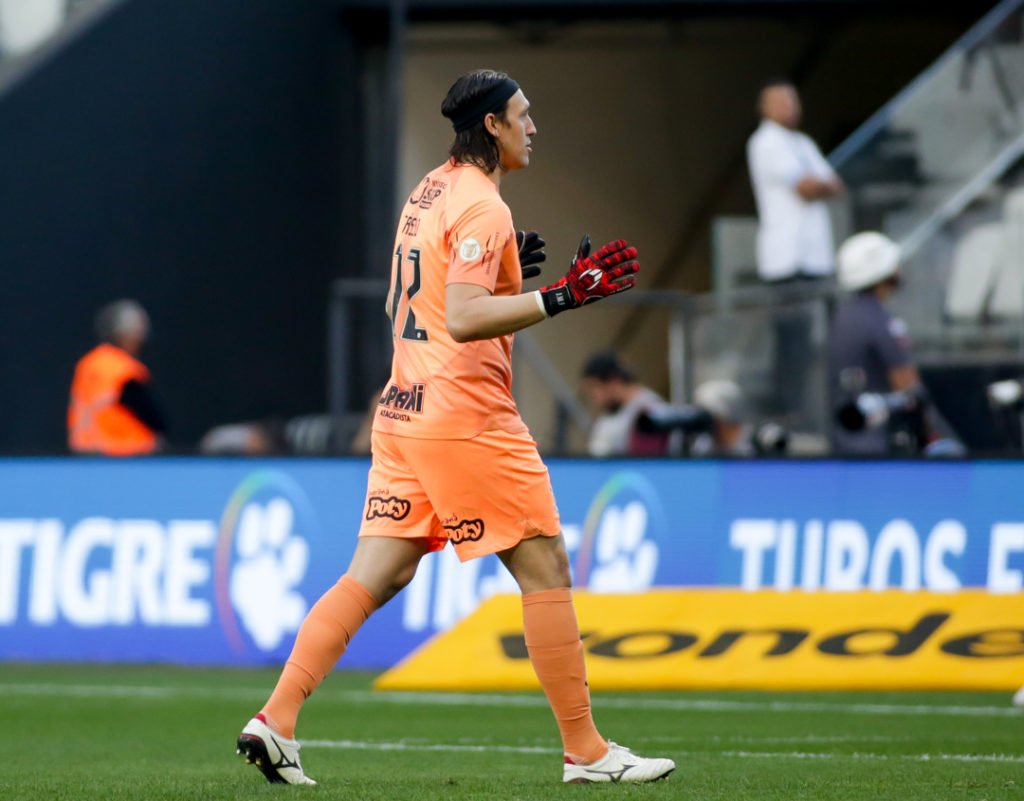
193, 155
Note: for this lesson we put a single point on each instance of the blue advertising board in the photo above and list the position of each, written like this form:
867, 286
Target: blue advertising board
217, 561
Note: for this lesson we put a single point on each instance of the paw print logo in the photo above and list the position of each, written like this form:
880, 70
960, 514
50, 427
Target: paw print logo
617, 549
625, 560
270, 563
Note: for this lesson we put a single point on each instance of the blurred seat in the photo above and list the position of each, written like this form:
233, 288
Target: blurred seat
975, 270
1008, 293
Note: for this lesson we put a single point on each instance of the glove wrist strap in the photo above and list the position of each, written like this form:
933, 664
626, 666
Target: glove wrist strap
556, 299
539, 297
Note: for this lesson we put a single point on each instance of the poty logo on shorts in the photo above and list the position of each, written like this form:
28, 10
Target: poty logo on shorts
261, 560
470, 250
395, 508
615, 554
465, 531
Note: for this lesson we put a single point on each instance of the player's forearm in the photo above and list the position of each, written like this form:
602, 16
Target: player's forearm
489, 316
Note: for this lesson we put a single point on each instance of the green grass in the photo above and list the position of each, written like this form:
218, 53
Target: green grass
153, 733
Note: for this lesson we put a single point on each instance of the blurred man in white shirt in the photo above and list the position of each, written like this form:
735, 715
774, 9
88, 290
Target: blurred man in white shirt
791, 181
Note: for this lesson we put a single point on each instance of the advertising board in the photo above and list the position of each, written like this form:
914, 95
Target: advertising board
217, 561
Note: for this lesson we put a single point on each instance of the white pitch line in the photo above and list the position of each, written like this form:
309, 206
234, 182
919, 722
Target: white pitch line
527, 749
510, 700
861, 755
405, 746
808, 738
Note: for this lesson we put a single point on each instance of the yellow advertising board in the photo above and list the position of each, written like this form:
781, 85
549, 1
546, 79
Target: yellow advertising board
719, 639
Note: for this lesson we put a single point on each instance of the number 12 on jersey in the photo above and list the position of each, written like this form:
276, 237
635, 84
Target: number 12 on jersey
410, 331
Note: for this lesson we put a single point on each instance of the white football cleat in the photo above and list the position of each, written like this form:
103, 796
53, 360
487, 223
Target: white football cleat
1018, 699
277, 757
618, 765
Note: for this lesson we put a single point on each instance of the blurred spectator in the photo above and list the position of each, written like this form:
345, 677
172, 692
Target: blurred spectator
730, 434
868, 347
302, 435
791, 180
112, 411
243, 439
621, 400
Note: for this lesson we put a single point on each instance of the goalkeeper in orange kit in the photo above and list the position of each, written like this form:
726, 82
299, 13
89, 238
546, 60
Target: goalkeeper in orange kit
452, 459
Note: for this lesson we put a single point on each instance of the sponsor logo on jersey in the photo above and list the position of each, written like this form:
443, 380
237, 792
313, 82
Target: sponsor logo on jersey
408, 400
395, 508
427, 192
465, 531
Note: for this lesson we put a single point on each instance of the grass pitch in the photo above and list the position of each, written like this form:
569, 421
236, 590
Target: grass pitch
153, 733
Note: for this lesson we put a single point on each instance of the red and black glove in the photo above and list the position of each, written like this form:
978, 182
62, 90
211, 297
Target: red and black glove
531, 253
590, 278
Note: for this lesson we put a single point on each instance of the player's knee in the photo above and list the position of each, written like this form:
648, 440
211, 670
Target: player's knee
398, 582
561, 575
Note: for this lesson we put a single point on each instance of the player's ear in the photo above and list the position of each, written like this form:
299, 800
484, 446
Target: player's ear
491, 124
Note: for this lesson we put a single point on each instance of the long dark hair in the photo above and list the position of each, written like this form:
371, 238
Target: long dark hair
475, 145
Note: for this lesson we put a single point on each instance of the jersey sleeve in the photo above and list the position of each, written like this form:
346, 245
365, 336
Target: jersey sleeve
819, 164
886, 346
476, 241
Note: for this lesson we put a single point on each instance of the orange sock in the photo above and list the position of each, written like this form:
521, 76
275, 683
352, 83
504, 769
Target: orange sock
556, 653
322, 639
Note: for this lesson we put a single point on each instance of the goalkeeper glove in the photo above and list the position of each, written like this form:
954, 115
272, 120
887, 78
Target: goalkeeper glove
531, 252
592, 277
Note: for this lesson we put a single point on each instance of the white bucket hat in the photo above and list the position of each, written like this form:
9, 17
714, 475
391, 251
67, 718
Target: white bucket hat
866, 259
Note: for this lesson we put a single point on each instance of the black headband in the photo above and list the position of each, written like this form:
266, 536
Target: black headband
493, 100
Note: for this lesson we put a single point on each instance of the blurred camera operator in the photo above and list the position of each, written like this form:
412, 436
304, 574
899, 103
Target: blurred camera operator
621, 400
729, 434
875, 386
716, 425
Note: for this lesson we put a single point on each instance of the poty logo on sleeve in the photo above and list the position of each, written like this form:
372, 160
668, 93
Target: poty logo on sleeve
470, 250
261, 561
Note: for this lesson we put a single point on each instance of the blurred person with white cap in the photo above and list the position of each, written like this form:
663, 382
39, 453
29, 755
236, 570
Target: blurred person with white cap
869, 350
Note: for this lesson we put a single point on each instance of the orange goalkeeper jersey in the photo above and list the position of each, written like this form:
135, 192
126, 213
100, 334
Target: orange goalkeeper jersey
454, 229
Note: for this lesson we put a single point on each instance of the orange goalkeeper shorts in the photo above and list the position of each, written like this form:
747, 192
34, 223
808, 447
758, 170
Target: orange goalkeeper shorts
484, 495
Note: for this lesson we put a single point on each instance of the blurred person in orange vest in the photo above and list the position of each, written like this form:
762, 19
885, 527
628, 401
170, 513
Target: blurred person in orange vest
112, 411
